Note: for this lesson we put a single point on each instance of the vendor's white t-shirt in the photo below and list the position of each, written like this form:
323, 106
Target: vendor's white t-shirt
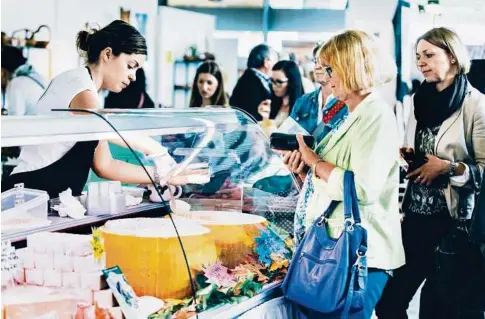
59, 95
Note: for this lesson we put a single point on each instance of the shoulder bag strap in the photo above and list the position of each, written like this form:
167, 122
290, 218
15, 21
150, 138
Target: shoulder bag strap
348, 202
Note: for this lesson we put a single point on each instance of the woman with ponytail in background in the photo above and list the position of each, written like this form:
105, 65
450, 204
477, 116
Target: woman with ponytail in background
113, 55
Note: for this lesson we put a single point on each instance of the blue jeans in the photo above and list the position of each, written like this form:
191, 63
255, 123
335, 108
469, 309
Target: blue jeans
376, 281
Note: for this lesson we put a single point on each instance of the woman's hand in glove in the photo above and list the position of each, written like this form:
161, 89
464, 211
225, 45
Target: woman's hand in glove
164, 164
198, 173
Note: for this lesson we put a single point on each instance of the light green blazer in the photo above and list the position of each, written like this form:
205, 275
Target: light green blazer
367, 144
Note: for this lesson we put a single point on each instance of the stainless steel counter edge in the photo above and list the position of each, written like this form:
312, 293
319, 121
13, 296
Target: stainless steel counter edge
64, 223
231, 311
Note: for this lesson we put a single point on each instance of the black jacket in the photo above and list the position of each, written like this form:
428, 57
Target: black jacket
476, 76
477, 228
248, 93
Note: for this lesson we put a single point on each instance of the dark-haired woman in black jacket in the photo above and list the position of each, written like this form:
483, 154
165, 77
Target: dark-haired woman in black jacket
287, 88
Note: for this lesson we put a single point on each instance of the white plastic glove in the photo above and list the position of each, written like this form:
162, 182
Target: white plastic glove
164, 163
197, 173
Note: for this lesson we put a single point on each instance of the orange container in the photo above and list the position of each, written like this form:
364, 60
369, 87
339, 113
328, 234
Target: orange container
234, 233
148, 252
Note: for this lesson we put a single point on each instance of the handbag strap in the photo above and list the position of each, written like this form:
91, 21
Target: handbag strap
330, 209
356, 213
355, 200
350, 293
351, 204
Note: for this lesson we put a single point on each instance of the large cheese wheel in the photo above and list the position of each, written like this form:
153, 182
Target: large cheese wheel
234, 233
148, 252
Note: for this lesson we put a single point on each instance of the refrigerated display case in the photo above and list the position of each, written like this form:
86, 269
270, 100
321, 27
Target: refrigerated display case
234, 232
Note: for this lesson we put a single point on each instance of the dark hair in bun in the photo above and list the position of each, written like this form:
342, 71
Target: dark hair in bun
120, 36
82, 40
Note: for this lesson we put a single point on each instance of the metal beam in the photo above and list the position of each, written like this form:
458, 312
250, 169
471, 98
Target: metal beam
307, 20
233, 19
266, 20
254, 19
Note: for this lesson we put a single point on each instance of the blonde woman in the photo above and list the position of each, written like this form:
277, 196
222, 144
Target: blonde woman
366, 145
446, 152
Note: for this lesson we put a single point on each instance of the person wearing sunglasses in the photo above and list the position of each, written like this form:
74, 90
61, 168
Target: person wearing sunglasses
365, 144
287, 88
319, 113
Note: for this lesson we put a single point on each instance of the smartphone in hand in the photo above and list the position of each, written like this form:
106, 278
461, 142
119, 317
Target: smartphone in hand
288, 142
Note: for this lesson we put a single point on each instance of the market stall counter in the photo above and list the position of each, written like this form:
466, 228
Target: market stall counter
212, 249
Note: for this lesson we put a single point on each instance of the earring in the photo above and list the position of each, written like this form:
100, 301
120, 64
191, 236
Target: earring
453, 61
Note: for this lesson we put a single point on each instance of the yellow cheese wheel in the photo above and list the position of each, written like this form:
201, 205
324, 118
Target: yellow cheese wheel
234, 233
148, 252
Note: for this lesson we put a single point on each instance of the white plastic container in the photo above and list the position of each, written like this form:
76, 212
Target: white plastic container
20, 201
105, 198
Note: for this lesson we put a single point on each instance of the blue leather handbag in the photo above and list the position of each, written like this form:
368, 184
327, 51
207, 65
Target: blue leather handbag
329, 275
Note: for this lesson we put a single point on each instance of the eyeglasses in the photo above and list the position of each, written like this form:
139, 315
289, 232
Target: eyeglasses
327, 69
278, 82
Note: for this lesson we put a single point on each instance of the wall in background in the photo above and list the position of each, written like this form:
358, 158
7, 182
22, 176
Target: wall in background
66, 18
225, 51
375, 17
174, 36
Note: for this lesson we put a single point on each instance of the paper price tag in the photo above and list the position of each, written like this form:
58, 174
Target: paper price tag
10, 259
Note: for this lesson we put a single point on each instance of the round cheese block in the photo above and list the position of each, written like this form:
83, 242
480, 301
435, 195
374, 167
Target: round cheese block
234, 233
148, 252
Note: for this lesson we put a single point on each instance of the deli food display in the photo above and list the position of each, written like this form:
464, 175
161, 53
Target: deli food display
216, 248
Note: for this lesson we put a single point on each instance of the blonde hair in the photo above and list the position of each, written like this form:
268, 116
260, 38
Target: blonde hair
359, 61
449, 41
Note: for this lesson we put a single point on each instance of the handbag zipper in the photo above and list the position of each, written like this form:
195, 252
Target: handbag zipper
316, 260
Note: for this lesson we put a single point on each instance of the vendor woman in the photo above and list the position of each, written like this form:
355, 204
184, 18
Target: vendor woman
113, 54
